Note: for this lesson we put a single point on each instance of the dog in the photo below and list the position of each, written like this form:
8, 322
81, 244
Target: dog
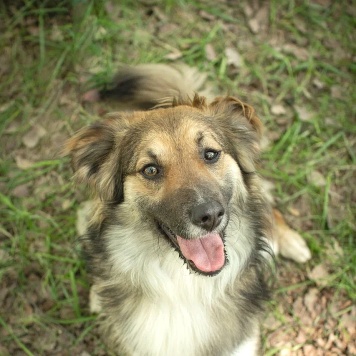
180, 232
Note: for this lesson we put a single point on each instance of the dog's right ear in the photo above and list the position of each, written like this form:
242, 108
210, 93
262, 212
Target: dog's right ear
242, 130
90, 150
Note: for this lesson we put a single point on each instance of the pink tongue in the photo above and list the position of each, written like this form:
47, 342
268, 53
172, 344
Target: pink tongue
207, 253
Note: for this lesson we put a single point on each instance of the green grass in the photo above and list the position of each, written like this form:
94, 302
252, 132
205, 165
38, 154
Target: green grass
50, 53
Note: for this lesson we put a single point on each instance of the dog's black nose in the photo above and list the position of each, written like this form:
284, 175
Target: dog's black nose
208, 215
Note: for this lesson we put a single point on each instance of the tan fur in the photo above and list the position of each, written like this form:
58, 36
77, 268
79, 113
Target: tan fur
151, 299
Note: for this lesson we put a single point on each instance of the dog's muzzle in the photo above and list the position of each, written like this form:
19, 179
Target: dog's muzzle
206, 253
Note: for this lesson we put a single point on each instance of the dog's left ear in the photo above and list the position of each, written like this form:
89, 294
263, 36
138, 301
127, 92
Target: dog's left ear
90, 150
241, 130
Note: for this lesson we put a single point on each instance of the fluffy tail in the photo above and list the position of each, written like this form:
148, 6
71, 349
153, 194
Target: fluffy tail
145, 86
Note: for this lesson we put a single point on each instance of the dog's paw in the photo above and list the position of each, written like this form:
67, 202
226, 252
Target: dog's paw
293, 246
290, 244
94, 301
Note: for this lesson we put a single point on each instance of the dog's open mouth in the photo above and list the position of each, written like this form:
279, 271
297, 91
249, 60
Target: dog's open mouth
205, 255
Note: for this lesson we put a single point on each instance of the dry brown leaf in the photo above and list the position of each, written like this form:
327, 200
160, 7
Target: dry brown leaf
301, 338
5, 106
100, 33
254, 26
336, 92
310, 350
303, 114
91, 96
271, 323
317, 179
23, 163
324, 3
112, 9
293, 211
174, 55
32, 137
210, 52
319, 274
56, 33
348, 321
206, 15
278, 109
160, 14
259, 21
286, 350
318, 84
298, 52
233, 57
21, 191
310, 300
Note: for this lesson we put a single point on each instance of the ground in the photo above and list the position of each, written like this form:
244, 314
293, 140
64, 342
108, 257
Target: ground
294, 61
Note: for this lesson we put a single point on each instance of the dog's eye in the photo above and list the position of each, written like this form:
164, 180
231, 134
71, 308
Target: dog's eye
151, 171
211, 156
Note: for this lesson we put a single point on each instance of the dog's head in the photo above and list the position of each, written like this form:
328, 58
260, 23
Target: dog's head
178, 167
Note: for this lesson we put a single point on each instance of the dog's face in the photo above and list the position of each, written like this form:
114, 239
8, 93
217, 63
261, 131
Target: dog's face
179, 168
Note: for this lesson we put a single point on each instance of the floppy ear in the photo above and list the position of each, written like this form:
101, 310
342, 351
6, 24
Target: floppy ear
241, 129
90, 150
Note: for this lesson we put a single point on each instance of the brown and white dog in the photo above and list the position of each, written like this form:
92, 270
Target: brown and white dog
180, 227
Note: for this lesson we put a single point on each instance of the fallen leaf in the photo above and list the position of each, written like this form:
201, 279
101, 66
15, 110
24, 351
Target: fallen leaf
160, 14
91, 96
318, 84
271, 323
348, 321
260, 20
301, 338
317, 179
254, 26
84, 353
311, 299
174, 55
100, 33
5, 106
23, 163
248, 10
31, 138
206, 15
233, 57
66, 204
336, 92
21, 191
303, 114
319, 274
278, 109
298, 52
112, 10
286, 350
310, 350
351, 349
56, 33
324, 3
293, 211
210, 52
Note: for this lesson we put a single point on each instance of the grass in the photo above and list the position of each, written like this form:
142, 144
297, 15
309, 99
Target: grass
50, 52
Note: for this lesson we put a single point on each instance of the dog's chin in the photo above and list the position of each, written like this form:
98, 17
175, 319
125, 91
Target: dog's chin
174, 241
